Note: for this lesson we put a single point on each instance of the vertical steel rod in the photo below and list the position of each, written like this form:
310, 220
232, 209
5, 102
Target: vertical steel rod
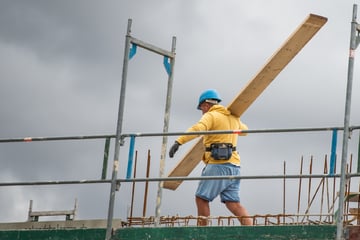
328, 197
118, 133
358, 206
300, 182
346, 133
358, 161
334, 192
309, 186
284, 193
133, 188
165, 129
106, 158
327, 190
146, 183
348, 186
323, 190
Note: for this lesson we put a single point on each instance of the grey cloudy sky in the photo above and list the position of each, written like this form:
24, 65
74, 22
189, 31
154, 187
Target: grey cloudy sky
61, 65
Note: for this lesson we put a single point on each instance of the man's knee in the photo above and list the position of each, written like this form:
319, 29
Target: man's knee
201, 201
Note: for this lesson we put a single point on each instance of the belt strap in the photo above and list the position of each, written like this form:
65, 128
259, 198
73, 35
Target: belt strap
208, 149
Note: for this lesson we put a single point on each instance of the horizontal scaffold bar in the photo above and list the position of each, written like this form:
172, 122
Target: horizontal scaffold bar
125, 135
152, 48
38, 139
5, 184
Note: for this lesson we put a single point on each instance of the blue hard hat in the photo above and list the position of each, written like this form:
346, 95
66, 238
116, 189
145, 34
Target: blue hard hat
210, 94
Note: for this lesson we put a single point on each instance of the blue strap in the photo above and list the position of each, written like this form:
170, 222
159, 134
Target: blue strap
132, 50
167, 65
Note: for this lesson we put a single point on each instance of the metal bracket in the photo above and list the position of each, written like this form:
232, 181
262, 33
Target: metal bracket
118, 184
121, 140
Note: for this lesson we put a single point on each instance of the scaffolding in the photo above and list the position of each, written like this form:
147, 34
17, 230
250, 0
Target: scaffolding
169, 62
326, 189
321, 191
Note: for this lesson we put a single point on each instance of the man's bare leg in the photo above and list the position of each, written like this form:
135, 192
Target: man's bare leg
203, 210
239, 210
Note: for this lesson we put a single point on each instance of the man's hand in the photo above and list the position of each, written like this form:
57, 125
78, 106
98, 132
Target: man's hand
174, 149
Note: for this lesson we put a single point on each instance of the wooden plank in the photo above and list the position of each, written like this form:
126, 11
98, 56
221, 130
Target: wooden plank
254, 88
352, 197
276, 64
186, 165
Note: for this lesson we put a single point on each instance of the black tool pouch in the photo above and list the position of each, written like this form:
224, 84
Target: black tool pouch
221, 151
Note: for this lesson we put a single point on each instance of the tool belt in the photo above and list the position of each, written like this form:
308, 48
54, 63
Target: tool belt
221, 151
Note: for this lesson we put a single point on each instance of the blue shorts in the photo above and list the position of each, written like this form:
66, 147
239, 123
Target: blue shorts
228, 189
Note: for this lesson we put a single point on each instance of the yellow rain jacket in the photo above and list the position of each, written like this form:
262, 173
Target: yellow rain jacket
217, 118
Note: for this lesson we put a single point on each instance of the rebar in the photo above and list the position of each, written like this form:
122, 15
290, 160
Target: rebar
300, 183
146, 183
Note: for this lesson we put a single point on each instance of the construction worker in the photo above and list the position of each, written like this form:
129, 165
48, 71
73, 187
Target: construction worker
220, 157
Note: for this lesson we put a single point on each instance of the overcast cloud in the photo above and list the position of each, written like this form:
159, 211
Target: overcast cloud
60, 70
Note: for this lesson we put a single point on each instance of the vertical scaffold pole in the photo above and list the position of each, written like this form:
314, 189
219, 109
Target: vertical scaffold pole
118, 133
354, 41
129, 53
165, 129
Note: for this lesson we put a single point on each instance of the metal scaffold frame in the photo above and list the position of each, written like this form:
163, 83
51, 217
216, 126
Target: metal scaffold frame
169, 66
354, 42
131, 45
283, 218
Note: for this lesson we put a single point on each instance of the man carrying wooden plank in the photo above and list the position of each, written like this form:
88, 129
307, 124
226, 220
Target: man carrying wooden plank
253, 89
220, 157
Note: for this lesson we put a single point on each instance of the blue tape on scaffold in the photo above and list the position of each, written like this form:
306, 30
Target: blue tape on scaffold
132, 50
167, 65
131, 157
333, 152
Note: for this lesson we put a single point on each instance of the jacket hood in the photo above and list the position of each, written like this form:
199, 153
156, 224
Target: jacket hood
220, 108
